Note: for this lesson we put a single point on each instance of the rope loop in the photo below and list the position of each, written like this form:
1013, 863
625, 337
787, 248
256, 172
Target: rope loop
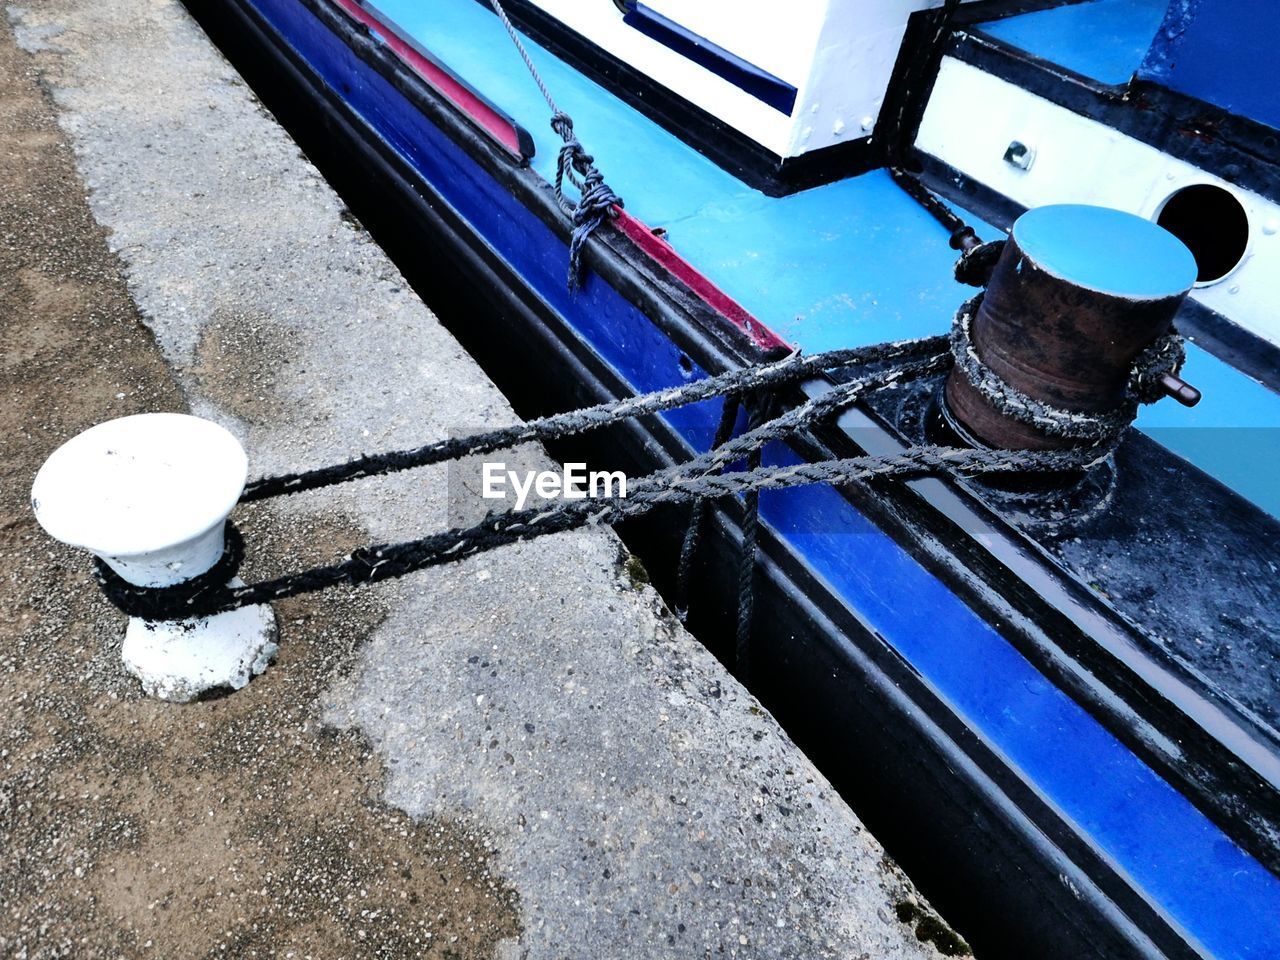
1165, 355
596, 201
170, 603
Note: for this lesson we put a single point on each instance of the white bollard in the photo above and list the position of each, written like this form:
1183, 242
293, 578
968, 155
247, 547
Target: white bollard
150, 495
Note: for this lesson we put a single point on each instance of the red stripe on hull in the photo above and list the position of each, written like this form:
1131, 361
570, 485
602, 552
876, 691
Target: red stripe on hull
488, 119
658, 249
501, 129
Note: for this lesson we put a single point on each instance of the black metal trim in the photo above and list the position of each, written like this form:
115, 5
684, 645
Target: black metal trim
985, 11
743, 74
910, 85
1228, 341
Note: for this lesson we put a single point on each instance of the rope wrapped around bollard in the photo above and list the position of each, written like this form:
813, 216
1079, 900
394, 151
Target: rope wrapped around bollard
700, 479
164, 603
1165, 356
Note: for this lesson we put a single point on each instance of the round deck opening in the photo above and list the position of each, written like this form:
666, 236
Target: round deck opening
1214, 226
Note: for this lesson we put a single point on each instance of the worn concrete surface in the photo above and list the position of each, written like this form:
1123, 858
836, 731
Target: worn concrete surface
631, 796
236, 827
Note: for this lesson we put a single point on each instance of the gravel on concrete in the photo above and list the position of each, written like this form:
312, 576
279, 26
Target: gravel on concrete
564, 772
241, 827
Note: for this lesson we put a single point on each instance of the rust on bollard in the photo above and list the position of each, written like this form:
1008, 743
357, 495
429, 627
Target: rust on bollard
1076, 295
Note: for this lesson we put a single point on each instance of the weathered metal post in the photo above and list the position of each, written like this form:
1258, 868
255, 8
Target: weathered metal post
1078, 293
150, 495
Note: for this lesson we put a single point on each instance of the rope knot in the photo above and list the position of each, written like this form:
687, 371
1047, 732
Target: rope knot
596, 200
562, 124
975, 264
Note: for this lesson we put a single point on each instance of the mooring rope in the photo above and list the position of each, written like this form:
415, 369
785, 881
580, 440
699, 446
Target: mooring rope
595, 200
789, 370
761, 414
963, 236
695, 480
765, 425
387, 561
697, 514
704, 477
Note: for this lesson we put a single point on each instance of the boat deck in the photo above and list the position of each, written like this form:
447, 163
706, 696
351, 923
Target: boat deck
855, 262
848, 263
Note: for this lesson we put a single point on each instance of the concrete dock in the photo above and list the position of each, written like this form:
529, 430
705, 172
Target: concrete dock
521, 755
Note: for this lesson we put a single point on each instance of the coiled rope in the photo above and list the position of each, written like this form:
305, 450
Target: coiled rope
595, 200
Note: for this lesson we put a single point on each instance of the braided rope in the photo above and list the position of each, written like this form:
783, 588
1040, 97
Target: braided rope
747, 553
387, 561
789, 370
1165, 355
695, 481
215, 578
524, 54
685, 482
762, 413
697, 514
596, 200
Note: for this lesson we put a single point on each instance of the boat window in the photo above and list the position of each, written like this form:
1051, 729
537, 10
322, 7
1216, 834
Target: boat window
1212, 223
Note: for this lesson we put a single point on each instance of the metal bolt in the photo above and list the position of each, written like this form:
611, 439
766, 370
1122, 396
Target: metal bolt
1180, 390
1019, 155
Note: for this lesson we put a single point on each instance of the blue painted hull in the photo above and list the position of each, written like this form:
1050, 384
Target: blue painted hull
1120, 862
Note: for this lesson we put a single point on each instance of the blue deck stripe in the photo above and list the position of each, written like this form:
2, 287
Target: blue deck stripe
1197, 875
1104, 40
790, 260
